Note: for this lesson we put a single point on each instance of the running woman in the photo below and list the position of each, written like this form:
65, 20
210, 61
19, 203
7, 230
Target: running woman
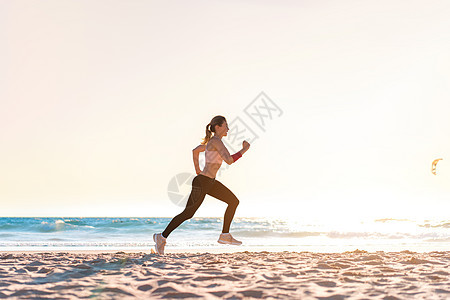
205, 183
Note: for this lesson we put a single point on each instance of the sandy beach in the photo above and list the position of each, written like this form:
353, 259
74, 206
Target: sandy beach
239, 275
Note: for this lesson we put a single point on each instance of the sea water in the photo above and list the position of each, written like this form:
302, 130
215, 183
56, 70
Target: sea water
68, 233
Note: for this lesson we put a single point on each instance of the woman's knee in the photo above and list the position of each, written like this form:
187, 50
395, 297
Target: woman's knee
235, 202
187, 214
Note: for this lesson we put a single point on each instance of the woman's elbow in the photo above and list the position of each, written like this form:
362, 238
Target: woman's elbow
229, 161
199, 149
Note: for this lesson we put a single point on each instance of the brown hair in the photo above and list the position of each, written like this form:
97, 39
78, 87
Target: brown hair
211, 127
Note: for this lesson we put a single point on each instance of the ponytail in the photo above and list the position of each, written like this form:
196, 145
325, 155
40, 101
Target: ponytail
208, 134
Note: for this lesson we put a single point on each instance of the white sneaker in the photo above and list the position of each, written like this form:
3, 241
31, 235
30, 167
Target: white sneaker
160, 242
226, 238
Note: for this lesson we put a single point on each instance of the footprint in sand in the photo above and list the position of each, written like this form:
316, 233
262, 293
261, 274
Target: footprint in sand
145, 287
326, 283
254, 293
219, 294
112, 290
204, 278
181, 295
165, 289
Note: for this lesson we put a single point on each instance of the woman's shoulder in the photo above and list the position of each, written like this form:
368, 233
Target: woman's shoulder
211, 145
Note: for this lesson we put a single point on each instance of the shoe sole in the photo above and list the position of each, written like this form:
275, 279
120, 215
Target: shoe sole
228, 243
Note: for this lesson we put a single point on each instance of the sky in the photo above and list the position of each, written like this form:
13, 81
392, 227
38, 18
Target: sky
101, 103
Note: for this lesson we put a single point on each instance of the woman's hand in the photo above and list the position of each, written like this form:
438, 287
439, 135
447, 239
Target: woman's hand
245, 145
198, 171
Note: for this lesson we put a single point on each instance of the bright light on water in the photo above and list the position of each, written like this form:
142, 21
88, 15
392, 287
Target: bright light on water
202, 234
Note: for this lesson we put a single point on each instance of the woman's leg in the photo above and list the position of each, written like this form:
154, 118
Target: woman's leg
195, 200
221, 192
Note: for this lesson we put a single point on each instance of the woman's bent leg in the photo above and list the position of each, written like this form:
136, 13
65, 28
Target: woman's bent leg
195, 200
221, 192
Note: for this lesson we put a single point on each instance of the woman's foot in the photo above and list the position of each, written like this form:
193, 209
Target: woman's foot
160, 242
226, 238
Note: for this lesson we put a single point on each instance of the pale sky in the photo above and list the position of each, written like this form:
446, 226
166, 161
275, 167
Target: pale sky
101, 103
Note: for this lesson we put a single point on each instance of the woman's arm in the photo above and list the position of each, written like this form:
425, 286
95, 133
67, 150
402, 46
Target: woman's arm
223, 151
195, 152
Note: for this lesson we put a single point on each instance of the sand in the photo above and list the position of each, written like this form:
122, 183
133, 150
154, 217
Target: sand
238, 275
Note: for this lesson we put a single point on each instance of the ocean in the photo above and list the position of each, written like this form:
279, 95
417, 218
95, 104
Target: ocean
69, 233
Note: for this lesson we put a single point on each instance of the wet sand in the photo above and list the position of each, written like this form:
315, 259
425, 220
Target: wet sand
236, 275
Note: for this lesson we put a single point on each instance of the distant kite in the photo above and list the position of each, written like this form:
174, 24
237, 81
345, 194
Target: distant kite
433, 165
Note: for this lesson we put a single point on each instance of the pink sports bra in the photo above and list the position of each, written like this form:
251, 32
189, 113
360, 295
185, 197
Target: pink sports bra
213, 157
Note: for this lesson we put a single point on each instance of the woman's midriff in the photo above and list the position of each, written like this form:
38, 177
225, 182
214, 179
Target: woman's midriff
210, 170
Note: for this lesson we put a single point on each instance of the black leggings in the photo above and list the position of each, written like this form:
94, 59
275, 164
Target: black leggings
202, 185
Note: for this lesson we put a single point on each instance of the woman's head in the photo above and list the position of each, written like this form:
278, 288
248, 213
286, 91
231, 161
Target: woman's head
217, 126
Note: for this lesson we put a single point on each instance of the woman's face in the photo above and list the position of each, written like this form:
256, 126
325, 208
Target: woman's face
222, 130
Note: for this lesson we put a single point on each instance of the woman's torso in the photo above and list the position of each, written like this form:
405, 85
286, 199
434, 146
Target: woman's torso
213, 161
